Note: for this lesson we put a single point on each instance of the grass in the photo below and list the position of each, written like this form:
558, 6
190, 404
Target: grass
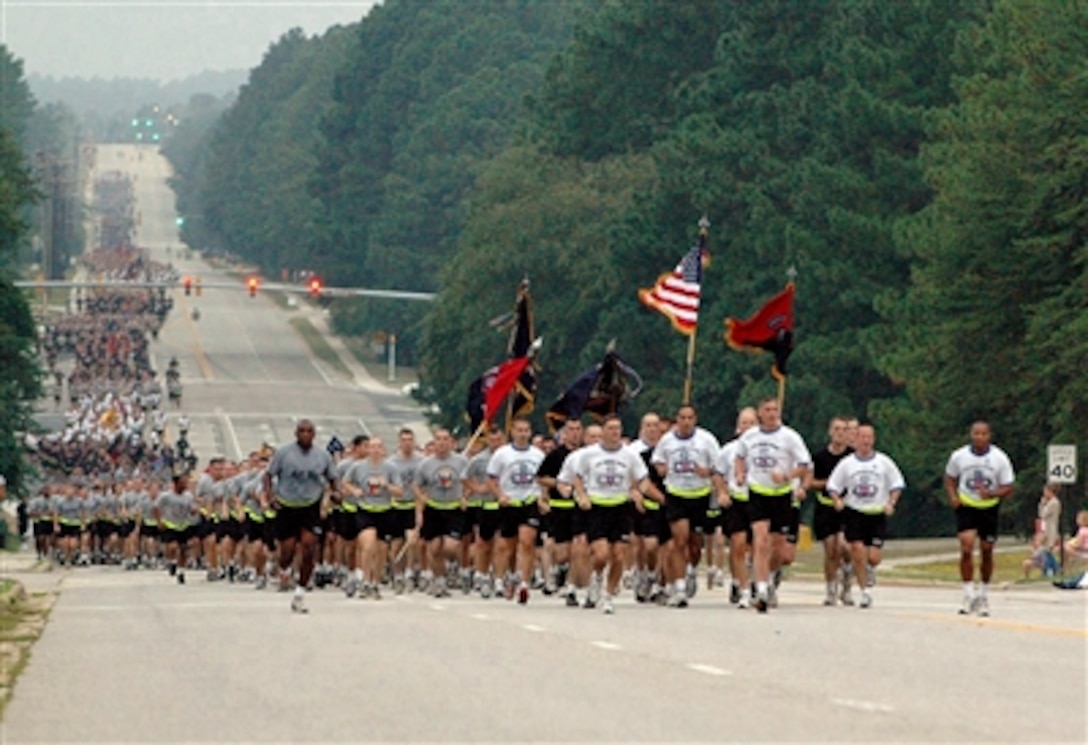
360, 348
22, 619
319, 346
1007, 568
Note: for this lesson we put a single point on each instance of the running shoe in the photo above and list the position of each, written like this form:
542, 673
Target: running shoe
572, 599
523, 594
982, 606
734, 594
829, 599
594, 595
866, 600
761, 604
607, 606
298, 604
968, 606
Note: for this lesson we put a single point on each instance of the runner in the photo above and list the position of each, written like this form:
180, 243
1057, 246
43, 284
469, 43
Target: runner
868, 483
346, 520
578, 576
560, 518
487, 511
405, 547
374, 483
209, 501
40, 511
977, 477
733, 496
828, 523
609, 479
177, 512
769, 458
651, 528
302, 473
512, 478
440, 497
685, 459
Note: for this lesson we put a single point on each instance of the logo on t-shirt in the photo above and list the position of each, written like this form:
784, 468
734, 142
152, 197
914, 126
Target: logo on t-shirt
523, 474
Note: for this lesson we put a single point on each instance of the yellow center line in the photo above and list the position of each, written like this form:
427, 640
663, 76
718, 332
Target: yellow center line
994, 623
201, 358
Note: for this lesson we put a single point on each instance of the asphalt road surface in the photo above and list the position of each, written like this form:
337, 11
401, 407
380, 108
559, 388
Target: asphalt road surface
133, 657
248, 376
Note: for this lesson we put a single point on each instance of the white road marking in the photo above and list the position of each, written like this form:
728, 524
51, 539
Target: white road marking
322, 373
532, 627
437, 606
606, 645
708, 669
481, 616
873, 706
232, 434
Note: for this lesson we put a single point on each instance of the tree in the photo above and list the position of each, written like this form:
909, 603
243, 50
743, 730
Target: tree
994, 322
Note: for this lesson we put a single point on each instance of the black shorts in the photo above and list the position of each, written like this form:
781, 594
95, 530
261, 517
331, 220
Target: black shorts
983, 521
254, 529
487, 523
126, 528
70, 531
104, 528
827, 521
471, 516
441, 523
865, 528
512, 518
612, 524
560, 523
206, 527
291, 522
777, 510
180, 537
403, 521
737, 519
692, 509
652, 524
385, 524
336, 521
715, 518
347, 523
150, 530
793, 531
42, 528
230, 528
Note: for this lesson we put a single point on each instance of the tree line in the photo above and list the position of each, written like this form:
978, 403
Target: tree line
921, 164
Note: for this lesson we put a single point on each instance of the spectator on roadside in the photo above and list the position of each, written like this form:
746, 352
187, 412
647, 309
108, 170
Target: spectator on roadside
1077, 546
1046, 539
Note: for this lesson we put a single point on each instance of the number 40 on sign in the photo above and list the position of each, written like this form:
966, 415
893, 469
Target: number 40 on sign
1061, 464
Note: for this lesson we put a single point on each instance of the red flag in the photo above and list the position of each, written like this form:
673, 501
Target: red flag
770, 329
505, 380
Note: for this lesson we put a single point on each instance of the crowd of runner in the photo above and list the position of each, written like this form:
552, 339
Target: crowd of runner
582, 516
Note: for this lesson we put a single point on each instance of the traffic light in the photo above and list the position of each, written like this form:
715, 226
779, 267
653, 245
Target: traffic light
252, 287
315, 286
188, 283
198, 285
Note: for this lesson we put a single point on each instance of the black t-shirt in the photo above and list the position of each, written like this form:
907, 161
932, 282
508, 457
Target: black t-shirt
550, 467
824, 462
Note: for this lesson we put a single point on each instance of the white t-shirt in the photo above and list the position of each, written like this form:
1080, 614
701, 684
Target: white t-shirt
766, 451
991, 469
608, 475
515, 468
682, 455
865, 484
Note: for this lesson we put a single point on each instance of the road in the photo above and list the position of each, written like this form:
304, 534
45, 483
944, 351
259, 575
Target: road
248, 375
133, 657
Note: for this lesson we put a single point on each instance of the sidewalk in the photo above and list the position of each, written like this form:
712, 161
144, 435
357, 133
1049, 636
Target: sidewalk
360, 376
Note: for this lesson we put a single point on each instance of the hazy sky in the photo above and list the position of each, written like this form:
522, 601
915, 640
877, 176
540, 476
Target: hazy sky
163, 39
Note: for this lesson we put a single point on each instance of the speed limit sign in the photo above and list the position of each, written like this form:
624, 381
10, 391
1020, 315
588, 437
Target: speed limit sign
1061, 464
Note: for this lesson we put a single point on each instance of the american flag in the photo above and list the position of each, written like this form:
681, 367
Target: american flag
676, 294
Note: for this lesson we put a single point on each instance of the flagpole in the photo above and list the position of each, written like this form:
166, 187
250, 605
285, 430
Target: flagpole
791, 273
689, 375
690, 367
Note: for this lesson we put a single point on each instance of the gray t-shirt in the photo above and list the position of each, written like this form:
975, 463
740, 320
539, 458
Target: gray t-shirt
302, 474
407, 470
374, 480
70, 509
176, 510
440, 478
476, 472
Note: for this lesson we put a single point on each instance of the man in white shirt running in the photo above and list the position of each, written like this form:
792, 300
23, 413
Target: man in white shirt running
865, 486
775, 464
977, 477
